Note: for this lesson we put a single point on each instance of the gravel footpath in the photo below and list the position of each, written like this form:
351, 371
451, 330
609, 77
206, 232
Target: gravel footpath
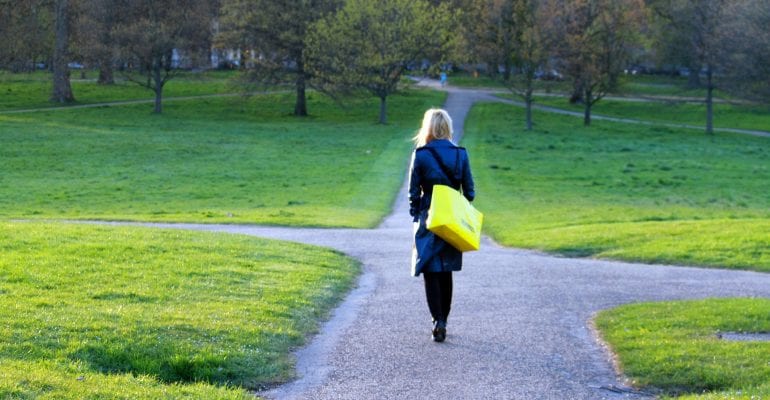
520, 323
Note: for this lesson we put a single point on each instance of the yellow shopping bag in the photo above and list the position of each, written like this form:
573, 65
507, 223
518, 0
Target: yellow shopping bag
452, 218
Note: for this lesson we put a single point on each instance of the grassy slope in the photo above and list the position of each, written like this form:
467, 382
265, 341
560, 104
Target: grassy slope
622, 191
673, 346
106, 312
213, 160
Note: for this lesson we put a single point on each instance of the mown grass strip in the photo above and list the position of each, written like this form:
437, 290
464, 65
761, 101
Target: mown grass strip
126, 312
621, 191
219, 160
674, 347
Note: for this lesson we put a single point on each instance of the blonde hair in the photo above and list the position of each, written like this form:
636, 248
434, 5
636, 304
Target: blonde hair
436, 124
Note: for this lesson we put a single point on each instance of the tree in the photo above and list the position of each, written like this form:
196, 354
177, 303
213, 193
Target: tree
27, 29
94, 34
672, 41
489, 32
62, 90
745, 45
510, 35
698, 25
277, 31
152, 35
31, 27
533, 48
369, 44
514, 34
595, 42
708, 15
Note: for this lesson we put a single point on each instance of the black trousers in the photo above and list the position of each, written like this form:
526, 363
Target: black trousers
438, 290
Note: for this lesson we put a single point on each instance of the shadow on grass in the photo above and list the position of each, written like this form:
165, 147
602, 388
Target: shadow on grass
178, 354
579, 251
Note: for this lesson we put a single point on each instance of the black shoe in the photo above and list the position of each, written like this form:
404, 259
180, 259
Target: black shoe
439, 331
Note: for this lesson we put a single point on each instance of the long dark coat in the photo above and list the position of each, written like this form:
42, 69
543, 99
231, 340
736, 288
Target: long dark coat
430, 252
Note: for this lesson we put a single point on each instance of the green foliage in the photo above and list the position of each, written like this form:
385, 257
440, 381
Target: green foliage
369, 44
215, 160
674, 346
117, 312
621, 191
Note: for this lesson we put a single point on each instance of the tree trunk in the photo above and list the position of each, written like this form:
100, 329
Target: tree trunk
577, 93
587, 110
300, 106
528, 100
709, 101
62, 91
507, 71
158, 88
383, 111
105, 73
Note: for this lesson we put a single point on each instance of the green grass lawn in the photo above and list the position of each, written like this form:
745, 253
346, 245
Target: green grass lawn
659, 85
462, 79
127, 312
638, 85
740, 116
220, 160
621, 191
33, 90
673, 346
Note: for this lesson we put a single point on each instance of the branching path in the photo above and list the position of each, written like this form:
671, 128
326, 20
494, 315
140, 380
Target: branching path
520, 325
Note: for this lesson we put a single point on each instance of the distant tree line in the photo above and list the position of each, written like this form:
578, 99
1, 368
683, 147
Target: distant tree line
340, 46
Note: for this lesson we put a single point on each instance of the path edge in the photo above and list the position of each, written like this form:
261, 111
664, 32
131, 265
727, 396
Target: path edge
312, 360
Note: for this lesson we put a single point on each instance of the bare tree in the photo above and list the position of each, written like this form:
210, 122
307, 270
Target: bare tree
595, 42
151, 36
533, 47
512, 36
694, 30
277, 31
708, 16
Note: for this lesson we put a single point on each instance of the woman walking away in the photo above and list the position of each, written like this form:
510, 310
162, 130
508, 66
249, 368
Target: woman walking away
436, 161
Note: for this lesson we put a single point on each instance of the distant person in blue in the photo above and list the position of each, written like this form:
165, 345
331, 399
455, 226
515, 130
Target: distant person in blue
442, 77
431, 255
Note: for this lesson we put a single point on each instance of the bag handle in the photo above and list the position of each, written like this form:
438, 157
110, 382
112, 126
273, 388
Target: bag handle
449, 174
